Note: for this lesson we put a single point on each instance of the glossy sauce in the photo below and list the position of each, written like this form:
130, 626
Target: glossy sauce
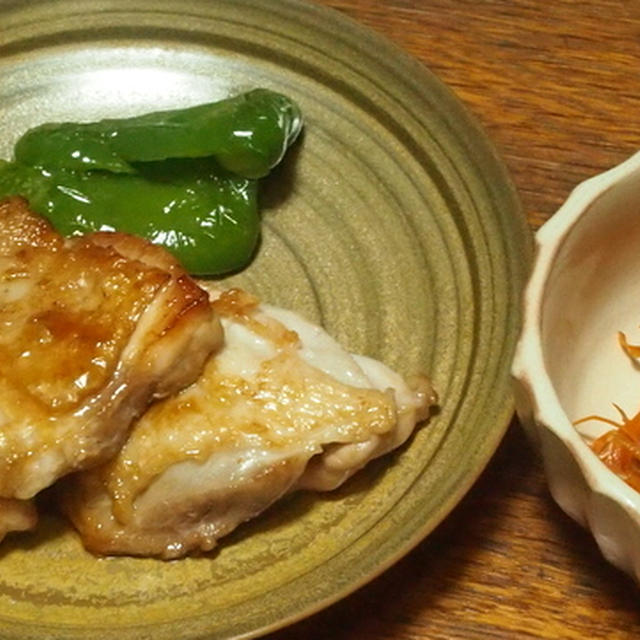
279, 404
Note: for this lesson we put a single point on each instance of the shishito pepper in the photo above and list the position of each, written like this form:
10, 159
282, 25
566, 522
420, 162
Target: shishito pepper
206, 217
185, 179
247, 134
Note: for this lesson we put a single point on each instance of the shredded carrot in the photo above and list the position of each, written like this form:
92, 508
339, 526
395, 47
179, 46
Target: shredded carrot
632, 350
619, 448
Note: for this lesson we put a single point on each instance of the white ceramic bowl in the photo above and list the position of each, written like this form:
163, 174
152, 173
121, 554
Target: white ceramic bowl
585, 287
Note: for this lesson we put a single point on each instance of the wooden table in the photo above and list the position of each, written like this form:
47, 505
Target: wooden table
556, 84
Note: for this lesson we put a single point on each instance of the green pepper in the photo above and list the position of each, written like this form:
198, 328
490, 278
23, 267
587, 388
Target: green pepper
247, 134
208, 219
185, 179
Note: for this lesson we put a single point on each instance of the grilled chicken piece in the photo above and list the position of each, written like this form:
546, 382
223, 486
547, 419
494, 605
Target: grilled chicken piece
93, 329
280, 407
16, 515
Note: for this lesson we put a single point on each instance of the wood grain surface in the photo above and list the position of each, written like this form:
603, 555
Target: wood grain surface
556, 85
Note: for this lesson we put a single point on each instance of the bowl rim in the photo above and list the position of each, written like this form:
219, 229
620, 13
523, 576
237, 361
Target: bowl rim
529, 367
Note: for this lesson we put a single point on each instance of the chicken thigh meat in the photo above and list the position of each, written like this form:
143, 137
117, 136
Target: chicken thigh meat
93, 329
281, 406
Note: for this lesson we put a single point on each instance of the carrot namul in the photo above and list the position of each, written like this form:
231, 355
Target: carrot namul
619, 448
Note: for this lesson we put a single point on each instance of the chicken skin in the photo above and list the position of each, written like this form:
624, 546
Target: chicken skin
281, 406
16, 515
93, 329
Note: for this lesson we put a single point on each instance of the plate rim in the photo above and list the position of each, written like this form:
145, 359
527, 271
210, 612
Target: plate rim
503, 410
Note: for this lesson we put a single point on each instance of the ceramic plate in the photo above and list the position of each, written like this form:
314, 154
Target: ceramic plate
392, 223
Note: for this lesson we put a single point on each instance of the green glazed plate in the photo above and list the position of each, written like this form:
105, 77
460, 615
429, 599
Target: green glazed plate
392, 223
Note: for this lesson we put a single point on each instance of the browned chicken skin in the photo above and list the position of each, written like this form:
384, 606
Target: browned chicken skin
16, 515
93, 329
280, 407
